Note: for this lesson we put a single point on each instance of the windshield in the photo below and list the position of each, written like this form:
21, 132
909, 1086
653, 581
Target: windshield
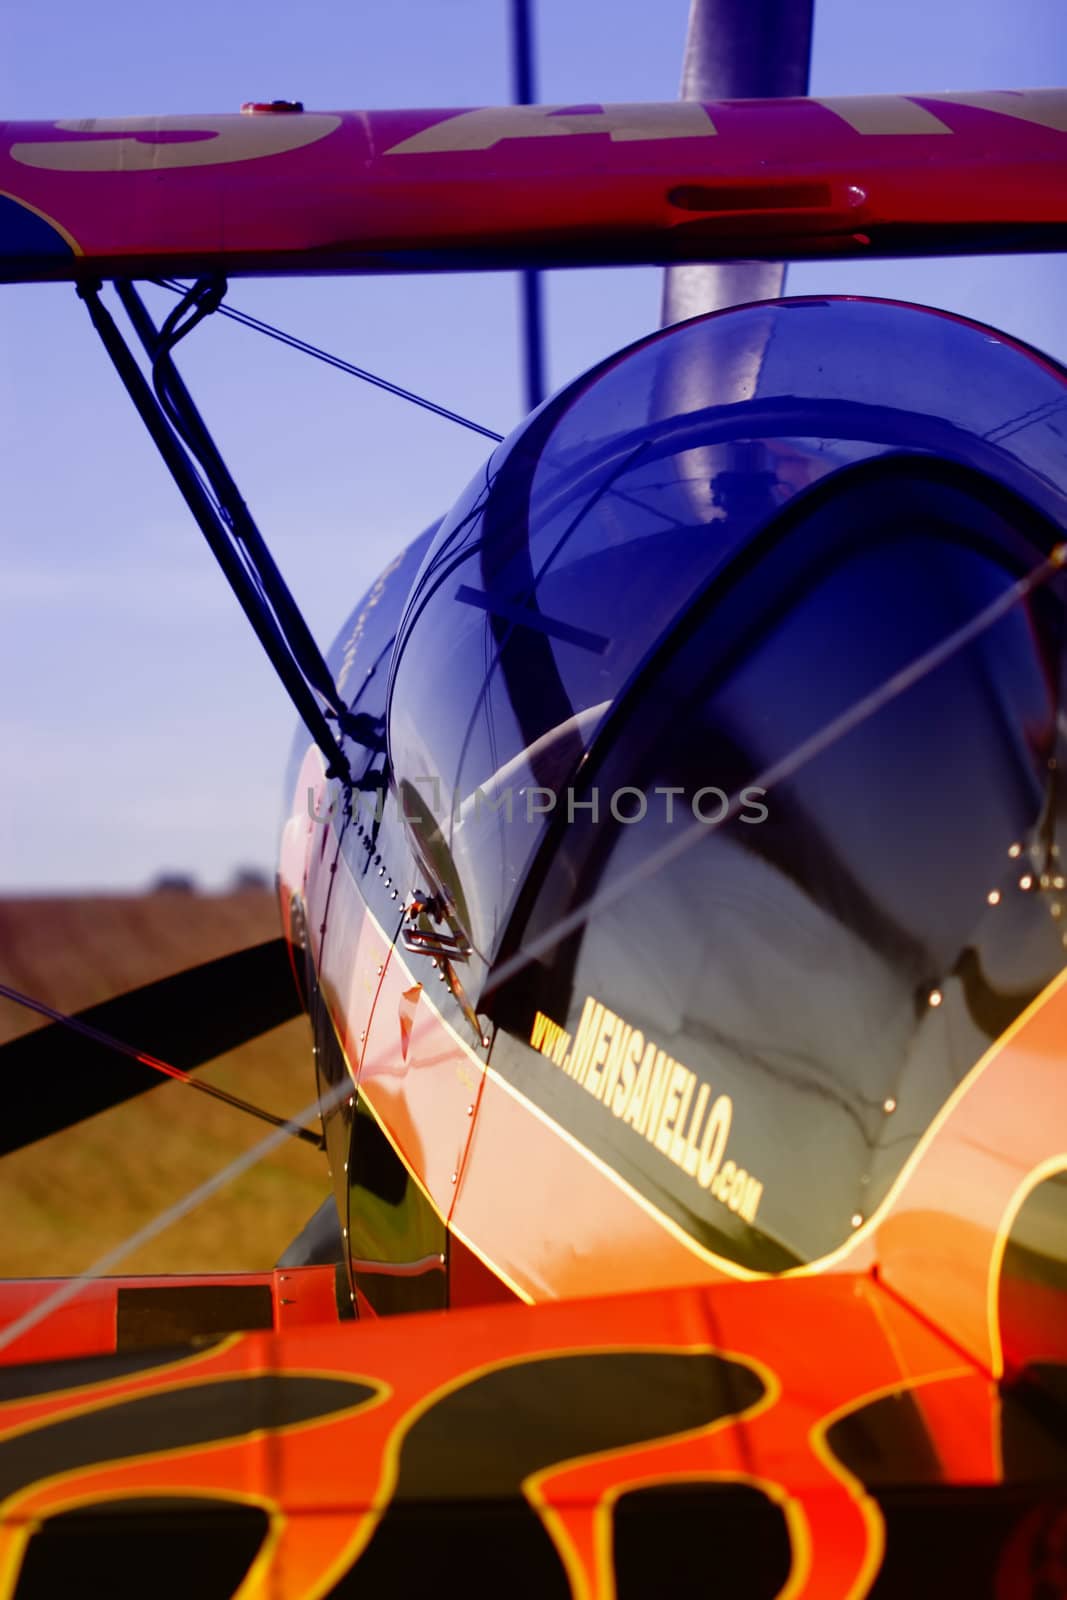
760, 1030
591, 532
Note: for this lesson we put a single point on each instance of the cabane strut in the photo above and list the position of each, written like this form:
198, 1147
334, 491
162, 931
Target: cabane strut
197, 467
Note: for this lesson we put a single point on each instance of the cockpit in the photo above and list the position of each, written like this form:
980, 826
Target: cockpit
736, 724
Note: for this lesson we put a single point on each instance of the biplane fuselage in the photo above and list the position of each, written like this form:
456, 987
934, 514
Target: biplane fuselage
613, 1117
678, 907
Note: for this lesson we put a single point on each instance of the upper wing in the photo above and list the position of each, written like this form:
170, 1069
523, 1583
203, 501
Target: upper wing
432, 190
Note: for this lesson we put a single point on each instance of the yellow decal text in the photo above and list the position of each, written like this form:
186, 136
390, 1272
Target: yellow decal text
141, 144
883, 113
659, 1098
480, 130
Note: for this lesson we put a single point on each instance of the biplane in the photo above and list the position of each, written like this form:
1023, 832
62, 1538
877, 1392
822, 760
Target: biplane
674, 879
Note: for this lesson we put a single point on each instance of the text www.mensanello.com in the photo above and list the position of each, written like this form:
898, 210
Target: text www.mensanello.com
655, 1095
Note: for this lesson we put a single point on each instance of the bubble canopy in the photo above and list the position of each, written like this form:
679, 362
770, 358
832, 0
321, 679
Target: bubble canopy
602, 522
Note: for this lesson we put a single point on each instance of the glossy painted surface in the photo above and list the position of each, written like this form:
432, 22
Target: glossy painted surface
89, 1325
425, 190
502, 1441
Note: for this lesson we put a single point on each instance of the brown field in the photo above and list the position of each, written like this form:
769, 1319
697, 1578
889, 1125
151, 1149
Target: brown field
67, 1199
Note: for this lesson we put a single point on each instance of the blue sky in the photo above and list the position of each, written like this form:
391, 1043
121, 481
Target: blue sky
142, 729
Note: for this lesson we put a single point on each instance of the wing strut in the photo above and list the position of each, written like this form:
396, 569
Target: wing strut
183, 440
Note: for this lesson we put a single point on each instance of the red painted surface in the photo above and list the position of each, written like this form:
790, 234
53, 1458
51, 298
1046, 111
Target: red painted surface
86, 1323
84, 1326
383, 190
820, 1349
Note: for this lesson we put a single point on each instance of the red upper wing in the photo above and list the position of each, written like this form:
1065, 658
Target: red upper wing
432, 190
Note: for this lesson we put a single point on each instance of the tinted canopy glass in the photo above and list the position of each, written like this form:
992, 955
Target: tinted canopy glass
575, 554
824, 882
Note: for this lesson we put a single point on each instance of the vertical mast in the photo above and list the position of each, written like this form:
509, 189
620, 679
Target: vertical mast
524, 94
737, 50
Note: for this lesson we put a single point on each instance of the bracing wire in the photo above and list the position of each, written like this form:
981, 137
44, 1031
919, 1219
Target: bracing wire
293, 343
153, 1063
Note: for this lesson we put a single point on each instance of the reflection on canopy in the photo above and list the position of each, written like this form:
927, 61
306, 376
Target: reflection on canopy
596, 526
837, 967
